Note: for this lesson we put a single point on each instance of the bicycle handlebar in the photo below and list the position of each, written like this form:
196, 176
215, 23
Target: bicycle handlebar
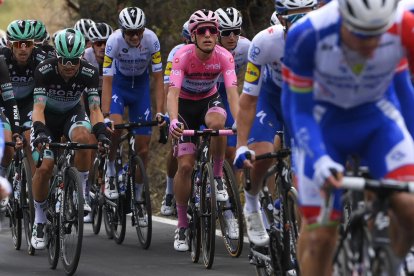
72, 145
131, 125
277, 155
390, 185
209, 132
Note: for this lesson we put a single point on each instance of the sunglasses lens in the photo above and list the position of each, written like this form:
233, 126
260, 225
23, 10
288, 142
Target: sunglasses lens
99, 43
24, 43
69, 61
294, 17
235, 32
134, 32
203, 30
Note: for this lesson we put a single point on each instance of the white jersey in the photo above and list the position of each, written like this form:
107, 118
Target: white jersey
89, 56
122, 59
240, 55
169, 62
265, 59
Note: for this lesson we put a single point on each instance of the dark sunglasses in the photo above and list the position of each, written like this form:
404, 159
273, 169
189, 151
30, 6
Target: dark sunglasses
69, 61
203, 30
22, 43
292, 18
99, 43
131, 33
235, 32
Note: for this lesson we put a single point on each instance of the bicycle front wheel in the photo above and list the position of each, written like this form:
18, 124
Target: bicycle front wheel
13, 208
208, 215
94, 194
141, 211
26, 199
230, 214
71, 221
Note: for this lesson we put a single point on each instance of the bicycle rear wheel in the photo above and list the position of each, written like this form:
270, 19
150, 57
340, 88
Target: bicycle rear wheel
231, 210
208, 215
141, 211
107, 218
291, 232
118, 223
94, 194
71, 221
26, 199
194, 222
13, 208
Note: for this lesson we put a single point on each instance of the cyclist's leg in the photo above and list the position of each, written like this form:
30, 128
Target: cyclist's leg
231, 140
390, 154
40, 184
77, 129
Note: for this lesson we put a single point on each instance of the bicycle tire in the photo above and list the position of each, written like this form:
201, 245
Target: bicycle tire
194, 223
291, 229
107, 220
53, 222
96, 207
233, 246
13, 208
118, 223
384, 262
71, 220
26, 198
144, 233
208, 215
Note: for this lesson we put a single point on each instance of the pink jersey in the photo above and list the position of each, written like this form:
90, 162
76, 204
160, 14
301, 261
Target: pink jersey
197, 78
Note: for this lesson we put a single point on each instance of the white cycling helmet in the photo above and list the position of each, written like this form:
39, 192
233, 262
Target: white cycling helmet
3, 41
282, 6
370, 17
2, 33
229, 18
185, 32
274, 20
99, 32
83, 26
131, 18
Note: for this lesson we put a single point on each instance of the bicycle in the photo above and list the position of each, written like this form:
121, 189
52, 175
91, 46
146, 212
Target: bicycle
20, 204
279, 258
64, 226
204, 209
364, 247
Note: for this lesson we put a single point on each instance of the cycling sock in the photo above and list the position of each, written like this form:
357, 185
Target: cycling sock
110, 170
3, 171
218, 167
84, 179
138, 191
252, 202
170, 186
182, 216
40, 216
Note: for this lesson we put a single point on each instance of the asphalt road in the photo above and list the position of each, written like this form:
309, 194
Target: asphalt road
101, 256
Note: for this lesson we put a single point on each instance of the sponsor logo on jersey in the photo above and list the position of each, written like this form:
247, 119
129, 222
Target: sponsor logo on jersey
124, 50
254, 52
230, 72
252, 73
45, 68
176, 60
215, 66
156, 58
168, 68
176, 72
231, 60
107, 62
87, 71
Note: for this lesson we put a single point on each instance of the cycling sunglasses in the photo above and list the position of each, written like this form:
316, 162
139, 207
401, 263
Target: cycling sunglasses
292, 18
22, 43
203, 30
69, 61
131, 33
235, 32
99, 43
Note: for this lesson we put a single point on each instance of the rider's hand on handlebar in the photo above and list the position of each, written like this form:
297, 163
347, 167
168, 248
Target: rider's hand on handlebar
18, 139
244, 158
103, 143
40, 139
162, 119
176, 129
328, 173
109, 124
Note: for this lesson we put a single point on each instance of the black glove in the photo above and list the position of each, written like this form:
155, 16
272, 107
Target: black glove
41, 138
100, 129
39, 134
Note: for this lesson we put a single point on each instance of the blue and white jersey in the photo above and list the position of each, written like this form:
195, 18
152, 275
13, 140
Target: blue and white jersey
122, 59
319, 69
170, 58
240, 55
265, 60
89, 56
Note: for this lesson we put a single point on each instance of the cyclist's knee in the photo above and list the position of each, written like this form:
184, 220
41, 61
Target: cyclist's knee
185, 168
80, 135
319, 241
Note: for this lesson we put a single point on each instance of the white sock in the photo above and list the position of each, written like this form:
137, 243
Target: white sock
84, 179
110, 169
138, 191
40, 207
170, 186
252, 202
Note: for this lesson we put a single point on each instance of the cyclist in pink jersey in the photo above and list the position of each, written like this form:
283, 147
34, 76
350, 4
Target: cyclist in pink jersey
193, 101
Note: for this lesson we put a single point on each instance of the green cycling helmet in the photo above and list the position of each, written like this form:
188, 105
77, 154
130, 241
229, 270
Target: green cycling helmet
39, 30
69, 43
20, 30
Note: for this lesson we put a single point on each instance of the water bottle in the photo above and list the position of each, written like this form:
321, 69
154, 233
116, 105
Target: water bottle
16, 186
276, 212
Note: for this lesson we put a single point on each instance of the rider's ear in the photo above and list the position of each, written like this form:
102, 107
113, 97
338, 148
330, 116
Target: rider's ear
193, 37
